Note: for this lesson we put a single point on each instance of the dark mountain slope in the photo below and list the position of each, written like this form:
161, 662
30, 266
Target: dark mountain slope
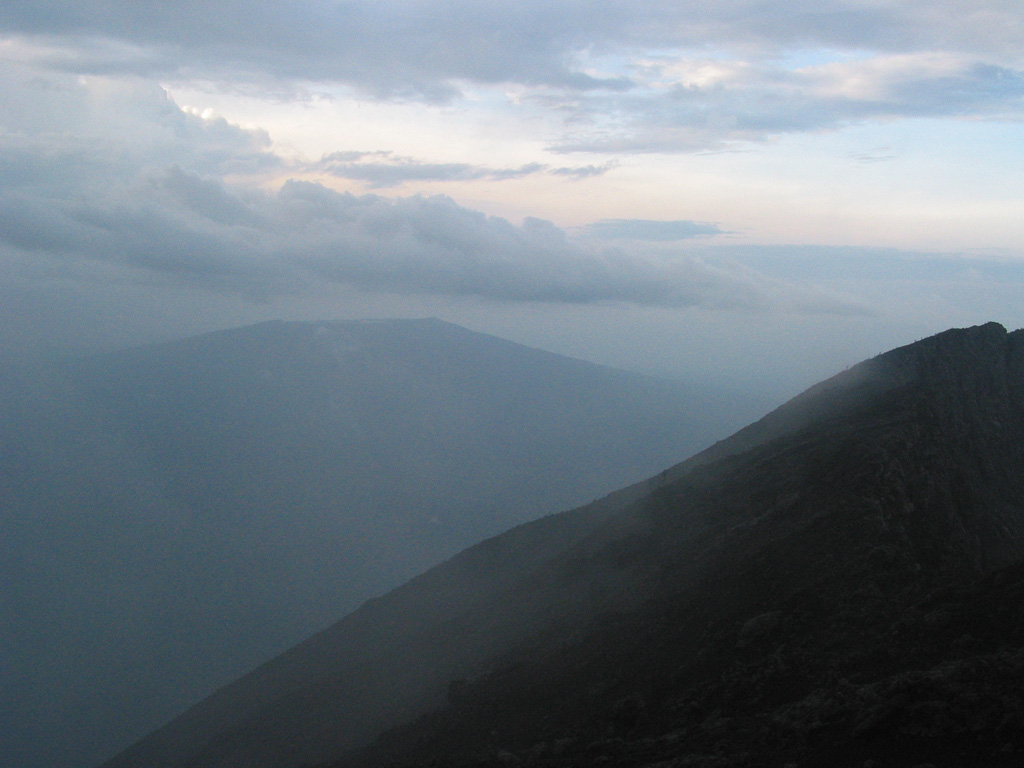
852, 590
173, 515
823, 588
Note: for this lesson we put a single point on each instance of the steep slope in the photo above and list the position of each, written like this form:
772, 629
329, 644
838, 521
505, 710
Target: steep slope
175, 514
846, 593
823, 588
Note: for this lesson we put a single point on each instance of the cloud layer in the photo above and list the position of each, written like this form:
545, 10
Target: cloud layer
656, 231
108, 176
642, 76
380, 169
401, 44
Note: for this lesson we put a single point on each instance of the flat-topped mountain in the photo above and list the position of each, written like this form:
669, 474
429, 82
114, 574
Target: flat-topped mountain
175, 514
838, 584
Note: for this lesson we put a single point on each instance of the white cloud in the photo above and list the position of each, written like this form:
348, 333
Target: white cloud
609, 77
102, 169
111, 172
709, 106
426, 47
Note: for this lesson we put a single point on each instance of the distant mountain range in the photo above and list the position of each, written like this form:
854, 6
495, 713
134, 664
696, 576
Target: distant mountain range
174, 515
839, 584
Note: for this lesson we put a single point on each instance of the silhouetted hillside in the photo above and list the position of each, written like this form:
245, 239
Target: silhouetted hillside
850, 592
837, 584
173, 515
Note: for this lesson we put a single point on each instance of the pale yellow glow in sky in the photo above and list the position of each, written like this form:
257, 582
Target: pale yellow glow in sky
866, 185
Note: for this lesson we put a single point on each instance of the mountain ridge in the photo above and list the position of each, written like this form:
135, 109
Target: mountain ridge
177, 513
647, 602
791, 601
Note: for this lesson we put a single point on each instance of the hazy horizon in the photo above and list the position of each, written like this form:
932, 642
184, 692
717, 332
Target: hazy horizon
724, 190
747, 196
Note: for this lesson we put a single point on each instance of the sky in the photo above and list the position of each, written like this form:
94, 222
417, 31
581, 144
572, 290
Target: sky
764, 192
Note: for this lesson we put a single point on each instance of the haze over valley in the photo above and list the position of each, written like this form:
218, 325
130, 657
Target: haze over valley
837, 584
300, 300
176, 514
